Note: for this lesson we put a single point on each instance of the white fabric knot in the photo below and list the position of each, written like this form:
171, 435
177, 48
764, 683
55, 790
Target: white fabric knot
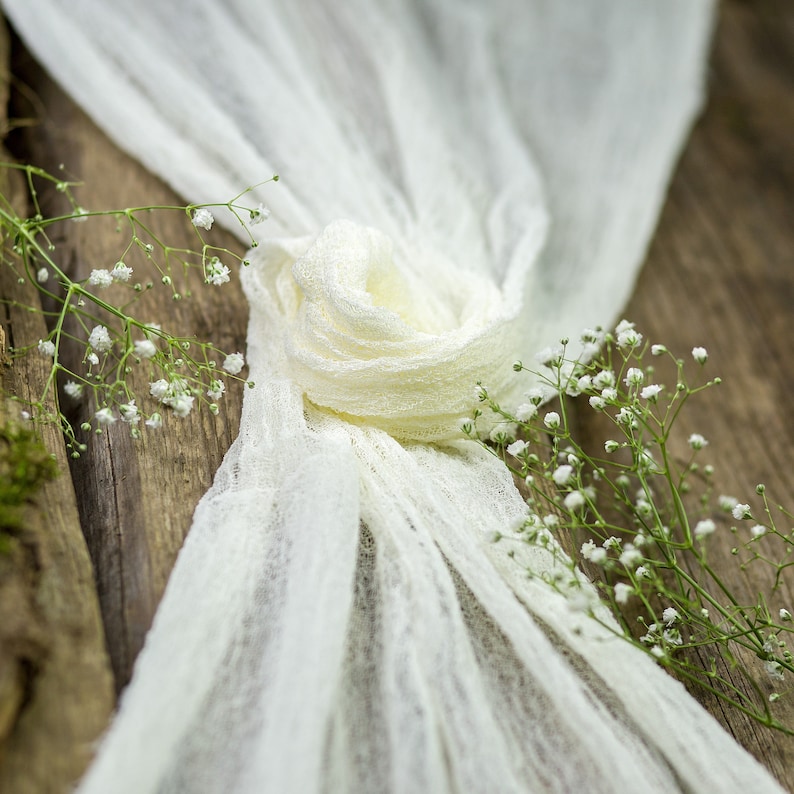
369, 335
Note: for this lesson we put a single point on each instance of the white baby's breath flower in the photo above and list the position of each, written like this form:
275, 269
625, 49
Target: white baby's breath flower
145, 348
652, 635
622, 592
258, 215
630, 556
670, 615
597, 403
46, 347
672, 636
180, 404
92, 358
100, 278
217, 273
233, 363
647, 462
625, 416
604, 379
651, 392
517, 448
129, 413
609, 394
202, 218
785, 615
216, 389
629, 338
758, 530
121, 272
550, 356
99, 339
574, 501
741, 512
535, 395
159, 389
552, 420
774, 670
611, 446
700, 354
155, 421
704, 527
584, 383
525, 412
73, 390
503, 433
599, 556
593, 553
727, 503
634, 377
591, 336
658, 350
623, 326
105, 416
696, 441
562, 475
42, 275
178, 386
642, 572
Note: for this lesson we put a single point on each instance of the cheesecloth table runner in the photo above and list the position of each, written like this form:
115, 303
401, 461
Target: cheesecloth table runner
462, 183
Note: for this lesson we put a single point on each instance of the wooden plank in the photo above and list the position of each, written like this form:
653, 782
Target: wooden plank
56, 691
720, 273
136, 497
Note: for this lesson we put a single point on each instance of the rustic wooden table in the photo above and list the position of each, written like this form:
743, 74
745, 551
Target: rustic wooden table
720, 272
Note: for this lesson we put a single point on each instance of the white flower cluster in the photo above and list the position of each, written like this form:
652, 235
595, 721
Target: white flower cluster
203, 218
175, 394
216, 272
46, 347
626, 335
233, 363
258, 215
104, 278
99, 339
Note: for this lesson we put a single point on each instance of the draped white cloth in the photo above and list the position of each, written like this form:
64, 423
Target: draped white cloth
462, 183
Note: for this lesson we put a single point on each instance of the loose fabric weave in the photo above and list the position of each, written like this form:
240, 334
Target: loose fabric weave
462, 183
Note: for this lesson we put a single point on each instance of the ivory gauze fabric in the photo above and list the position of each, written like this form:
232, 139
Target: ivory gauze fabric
463, 182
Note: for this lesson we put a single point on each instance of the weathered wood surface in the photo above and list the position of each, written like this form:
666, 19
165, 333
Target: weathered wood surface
56, 686
720, 273
136, 497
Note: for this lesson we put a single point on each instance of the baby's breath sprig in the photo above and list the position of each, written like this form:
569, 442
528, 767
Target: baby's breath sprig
105, 336
641, 520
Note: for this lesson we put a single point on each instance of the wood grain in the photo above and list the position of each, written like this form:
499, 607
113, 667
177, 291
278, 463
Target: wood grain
136, 497
56, 691
720, 272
